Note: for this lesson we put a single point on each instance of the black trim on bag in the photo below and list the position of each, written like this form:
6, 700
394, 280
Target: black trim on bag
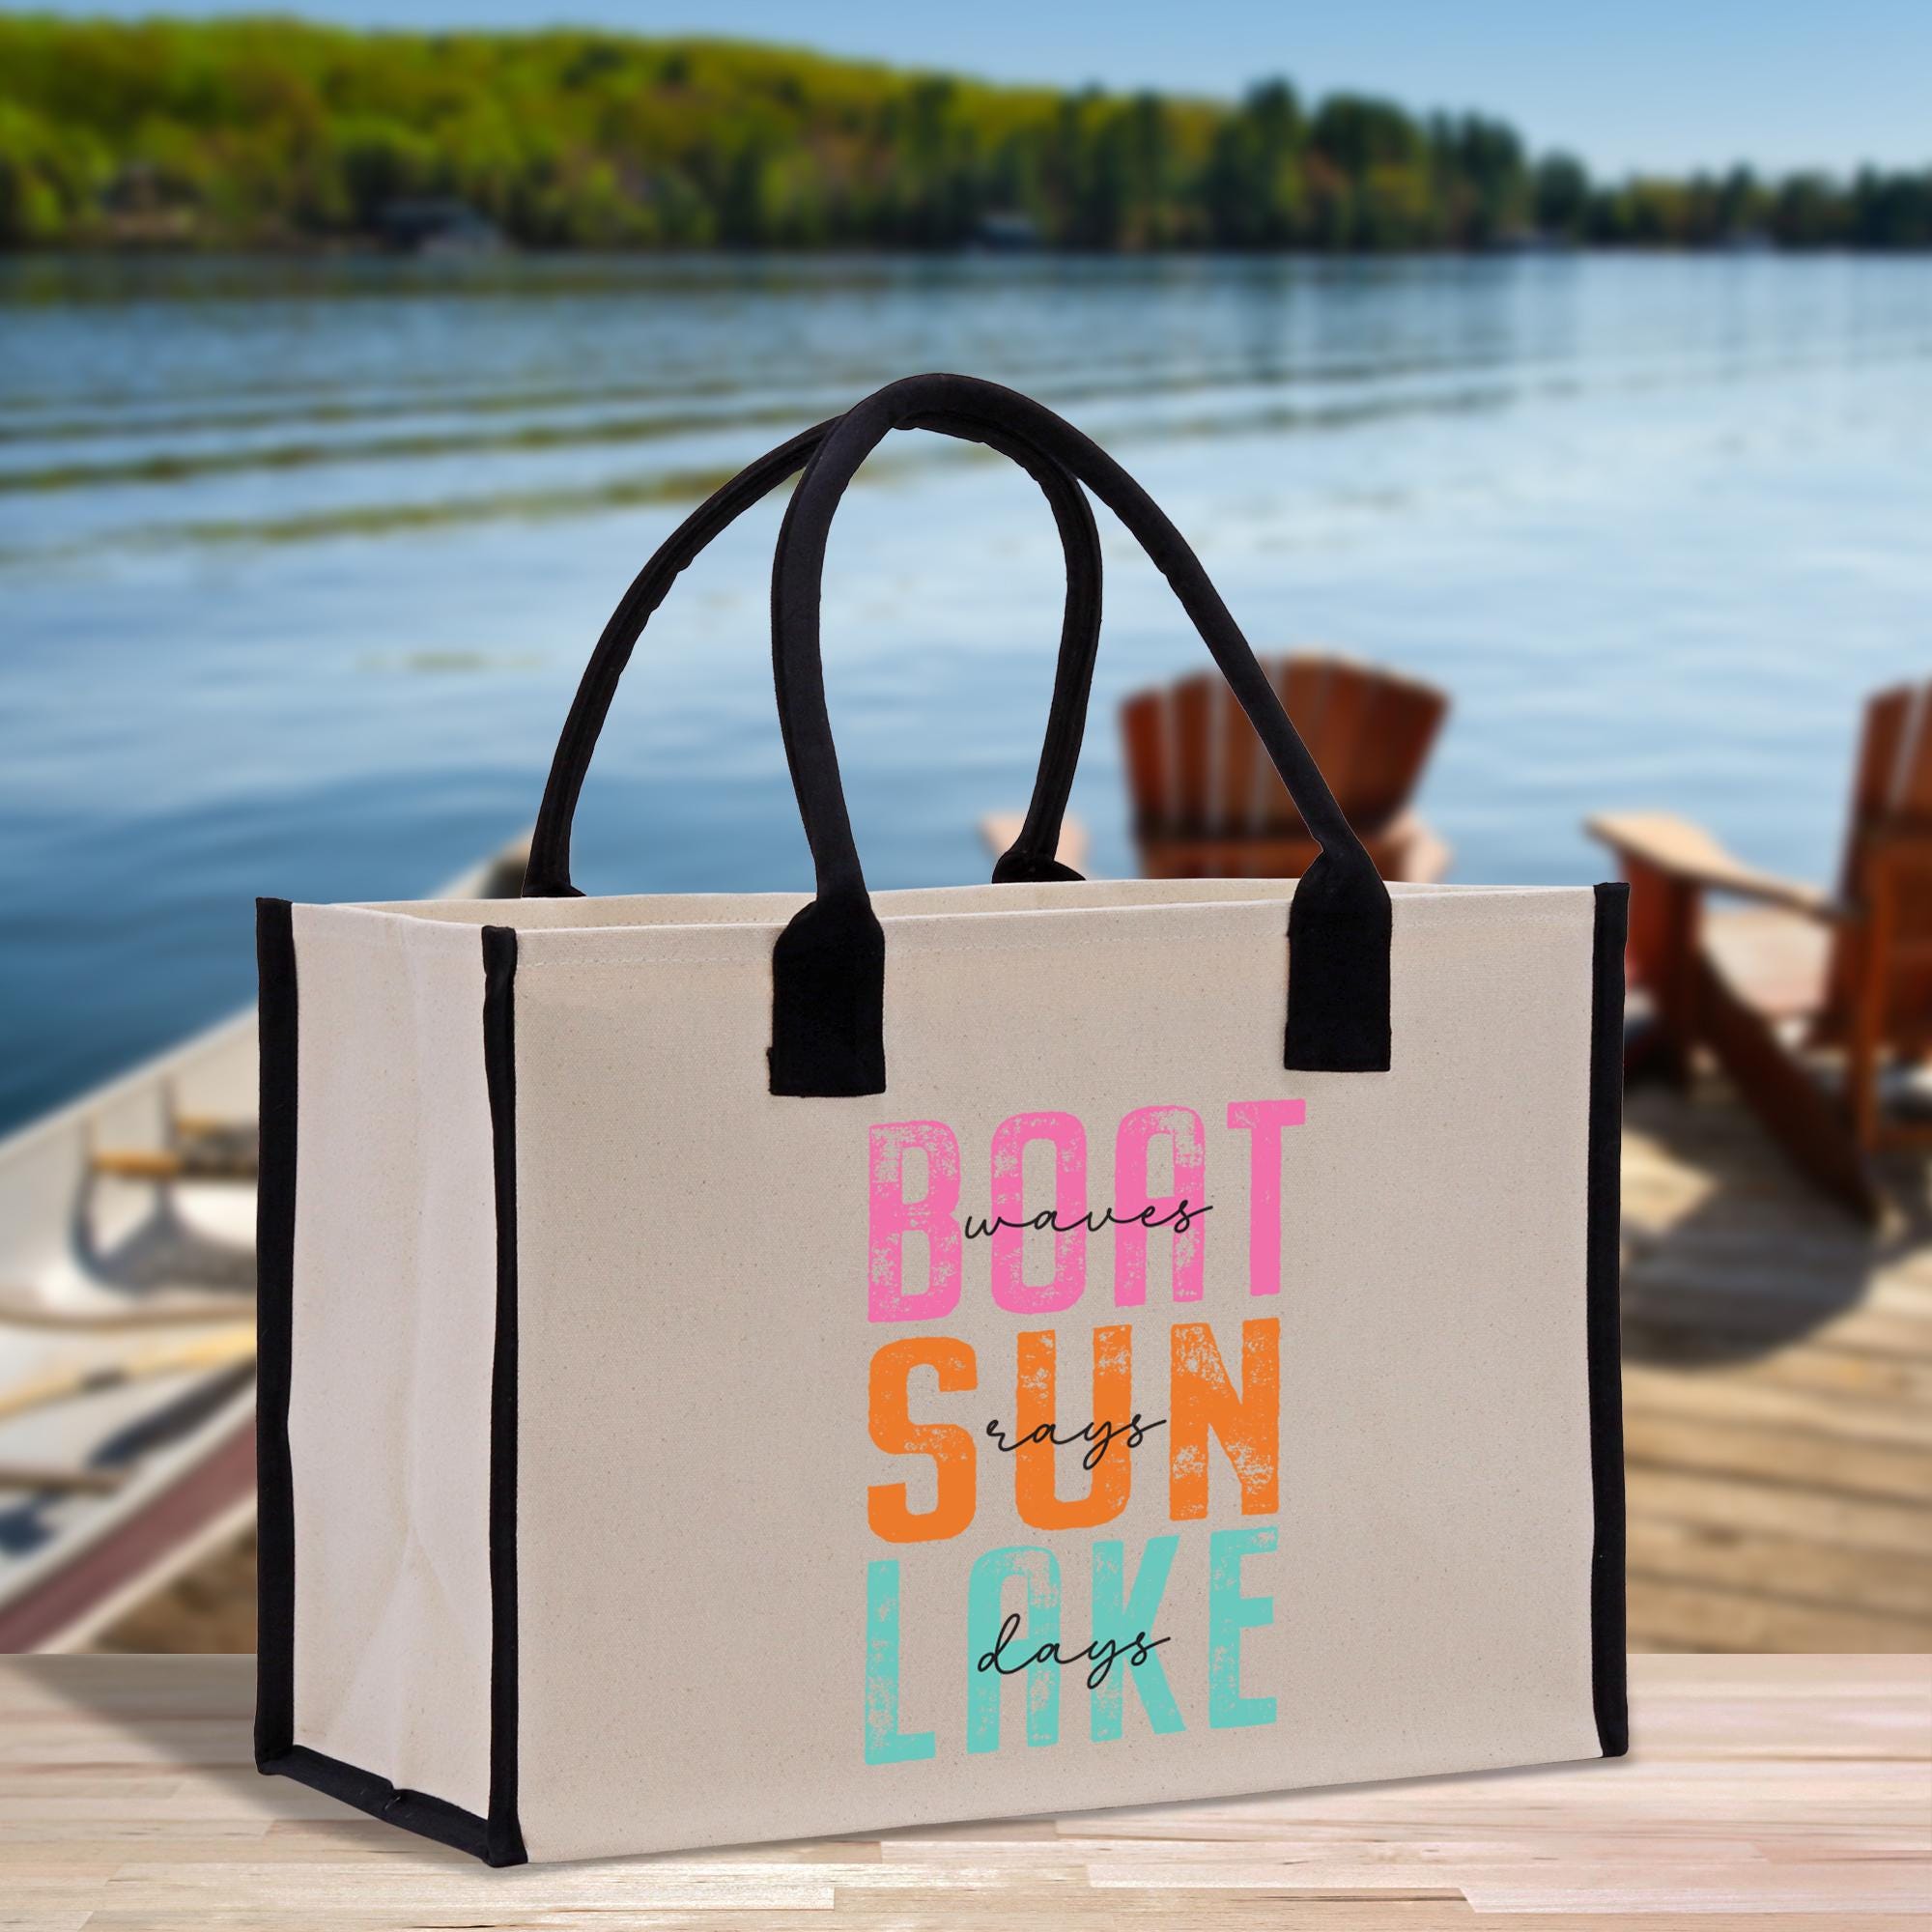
275, 1272
505, 1840
1609, 1659
498, 1839
413, 1810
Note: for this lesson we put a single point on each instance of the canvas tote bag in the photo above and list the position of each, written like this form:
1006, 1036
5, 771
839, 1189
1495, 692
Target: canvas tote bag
752, 1365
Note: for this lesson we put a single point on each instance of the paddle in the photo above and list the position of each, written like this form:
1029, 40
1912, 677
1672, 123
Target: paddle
226, 1345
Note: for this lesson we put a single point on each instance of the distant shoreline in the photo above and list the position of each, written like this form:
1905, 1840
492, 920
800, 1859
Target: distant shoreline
364, 249
280, 136
345, 271
102, 244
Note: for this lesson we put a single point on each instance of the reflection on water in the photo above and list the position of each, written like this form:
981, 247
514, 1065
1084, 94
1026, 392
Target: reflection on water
299, 562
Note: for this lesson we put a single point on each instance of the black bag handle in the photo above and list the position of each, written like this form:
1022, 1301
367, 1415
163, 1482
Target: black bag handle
1032, 854
828, 966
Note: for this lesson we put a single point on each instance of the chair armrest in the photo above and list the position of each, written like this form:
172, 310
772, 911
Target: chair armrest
1688, 854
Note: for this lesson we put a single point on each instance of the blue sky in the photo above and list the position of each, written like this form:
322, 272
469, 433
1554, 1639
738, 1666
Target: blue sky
1643, 84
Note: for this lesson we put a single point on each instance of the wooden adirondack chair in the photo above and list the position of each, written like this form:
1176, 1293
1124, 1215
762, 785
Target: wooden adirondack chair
1779, 993
1207, 804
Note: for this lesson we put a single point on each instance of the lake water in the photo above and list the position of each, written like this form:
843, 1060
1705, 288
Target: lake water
298, 565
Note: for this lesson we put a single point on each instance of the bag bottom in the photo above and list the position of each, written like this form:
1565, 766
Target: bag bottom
447, 1824
413, 1810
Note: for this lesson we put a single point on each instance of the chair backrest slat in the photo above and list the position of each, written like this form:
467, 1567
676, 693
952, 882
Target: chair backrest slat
1872, 782
1191, 709
1298, 682
1397, 735
1145, 739
1889, 839
1241, 767
1912, 775
1350, 696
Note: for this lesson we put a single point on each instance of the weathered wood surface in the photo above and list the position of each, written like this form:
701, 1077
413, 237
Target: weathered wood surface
1778, 1392
1787, 1785
1777, 1395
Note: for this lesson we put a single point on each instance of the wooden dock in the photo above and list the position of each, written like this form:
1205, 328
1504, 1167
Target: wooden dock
1777, 1395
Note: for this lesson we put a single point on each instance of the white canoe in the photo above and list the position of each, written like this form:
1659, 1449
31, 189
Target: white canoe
127, 1331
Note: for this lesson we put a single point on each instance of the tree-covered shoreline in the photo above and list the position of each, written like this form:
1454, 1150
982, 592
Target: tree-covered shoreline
281, 134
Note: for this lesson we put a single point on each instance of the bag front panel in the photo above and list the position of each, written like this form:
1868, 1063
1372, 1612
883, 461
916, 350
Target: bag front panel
786, 1563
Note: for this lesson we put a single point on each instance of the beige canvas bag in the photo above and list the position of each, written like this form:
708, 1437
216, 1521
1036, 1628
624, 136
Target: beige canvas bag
748, 1366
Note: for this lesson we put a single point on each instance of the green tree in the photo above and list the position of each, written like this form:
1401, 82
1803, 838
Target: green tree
1252, 188
268, 132
1561, 197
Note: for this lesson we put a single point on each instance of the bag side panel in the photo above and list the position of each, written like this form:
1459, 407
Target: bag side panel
392, 1337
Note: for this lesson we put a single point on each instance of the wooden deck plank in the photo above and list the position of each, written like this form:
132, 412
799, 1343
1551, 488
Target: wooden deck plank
1787, 1568
1798, 1786
1826, 1521
1669, 1614
1820, 1368
1834, 1464
1803, 1411
1777, 1395
1734, 1318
